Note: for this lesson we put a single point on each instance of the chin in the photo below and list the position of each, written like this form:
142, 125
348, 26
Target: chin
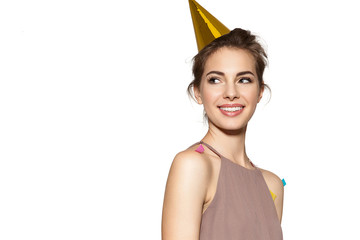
231, 129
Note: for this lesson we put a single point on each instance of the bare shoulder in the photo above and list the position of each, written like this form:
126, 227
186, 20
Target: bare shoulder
276, 186
185, 193
272, 180
189, 174
192, 168
189, 167
191, 161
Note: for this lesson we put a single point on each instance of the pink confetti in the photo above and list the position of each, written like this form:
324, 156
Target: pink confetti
200, 149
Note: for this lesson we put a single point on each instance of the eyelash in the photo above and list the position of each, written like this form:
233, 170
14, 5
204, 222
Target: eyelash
245, 78
212, 79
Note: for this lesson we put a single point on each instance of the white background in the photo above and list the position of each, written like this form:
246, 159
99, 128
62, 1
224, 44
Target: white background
93, 109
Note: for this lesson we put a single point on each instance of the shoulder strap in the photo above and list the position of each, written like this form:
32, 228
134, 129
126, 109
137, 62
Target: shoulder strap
211, 148
217, 153
208, 146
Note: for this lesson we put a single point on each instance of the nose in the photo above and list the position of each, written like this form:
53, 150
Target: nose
231, 92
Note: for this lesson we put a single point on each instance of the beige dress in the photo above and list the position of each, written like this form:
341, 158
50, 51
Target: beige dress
242, 208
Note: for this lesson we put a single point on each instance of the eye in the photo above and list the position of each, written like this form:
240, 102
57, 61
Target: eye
245, 80
213, 80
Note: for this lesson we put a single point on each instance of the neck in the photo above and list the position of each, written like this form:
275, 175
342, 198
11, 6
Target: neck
231, 144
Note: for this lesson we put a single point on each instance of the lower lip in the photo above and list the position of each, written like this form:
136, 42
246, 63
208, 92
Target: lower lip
231, 114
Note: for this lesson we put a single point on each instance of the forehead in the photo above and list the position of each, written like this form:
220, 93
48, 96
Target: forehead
230, 60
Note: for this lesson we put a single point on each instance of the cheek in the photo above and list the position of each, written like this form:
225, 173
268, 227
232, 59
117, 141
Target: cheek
210, 96
252, 95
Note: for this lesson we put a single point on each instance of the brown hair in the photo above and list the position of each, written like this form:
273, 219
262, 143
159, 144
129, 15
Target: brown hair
237, 38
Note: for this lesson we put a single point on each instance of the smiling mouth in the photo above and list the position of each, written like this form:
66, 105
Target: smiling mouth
231, 109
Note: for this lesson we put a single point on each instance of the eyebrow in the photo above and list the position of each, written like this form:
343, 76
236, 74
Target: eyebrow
238, 74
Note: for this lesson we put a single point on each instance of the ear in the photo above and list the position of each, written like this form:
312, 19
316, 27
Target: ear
197, 95
262, 87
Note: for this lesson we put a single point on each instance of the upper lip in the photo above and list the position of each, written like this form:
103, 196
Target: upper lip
231, 105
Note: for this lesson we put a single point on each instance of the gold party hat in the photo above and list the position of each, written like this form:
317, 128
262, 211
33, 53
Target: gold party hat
206, 26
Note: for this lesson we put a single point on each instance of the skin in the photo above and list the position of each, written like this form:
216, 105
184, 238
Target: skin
229, 77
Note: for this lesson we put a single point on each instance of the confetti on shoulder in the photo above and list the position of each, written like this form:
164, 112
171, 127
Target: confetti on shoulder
200, 149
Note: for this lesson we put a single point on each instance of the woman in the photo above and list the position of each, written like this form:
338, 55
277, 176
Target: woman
213, 190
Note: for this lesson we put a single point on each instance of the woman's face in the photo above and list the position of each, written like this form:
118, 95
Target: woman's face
229, 88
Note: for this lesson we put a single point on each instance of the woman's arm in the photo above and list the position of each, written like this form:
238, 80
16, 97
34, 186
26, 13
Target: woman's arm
276, 186
184, 197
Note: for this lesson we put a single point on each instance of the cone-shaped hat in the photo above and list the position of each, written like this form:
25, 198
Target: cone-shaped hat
206, 26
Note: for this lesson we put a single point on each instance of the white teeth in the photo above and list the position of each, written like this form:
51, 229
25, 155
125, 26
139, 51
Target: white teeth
231, 109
